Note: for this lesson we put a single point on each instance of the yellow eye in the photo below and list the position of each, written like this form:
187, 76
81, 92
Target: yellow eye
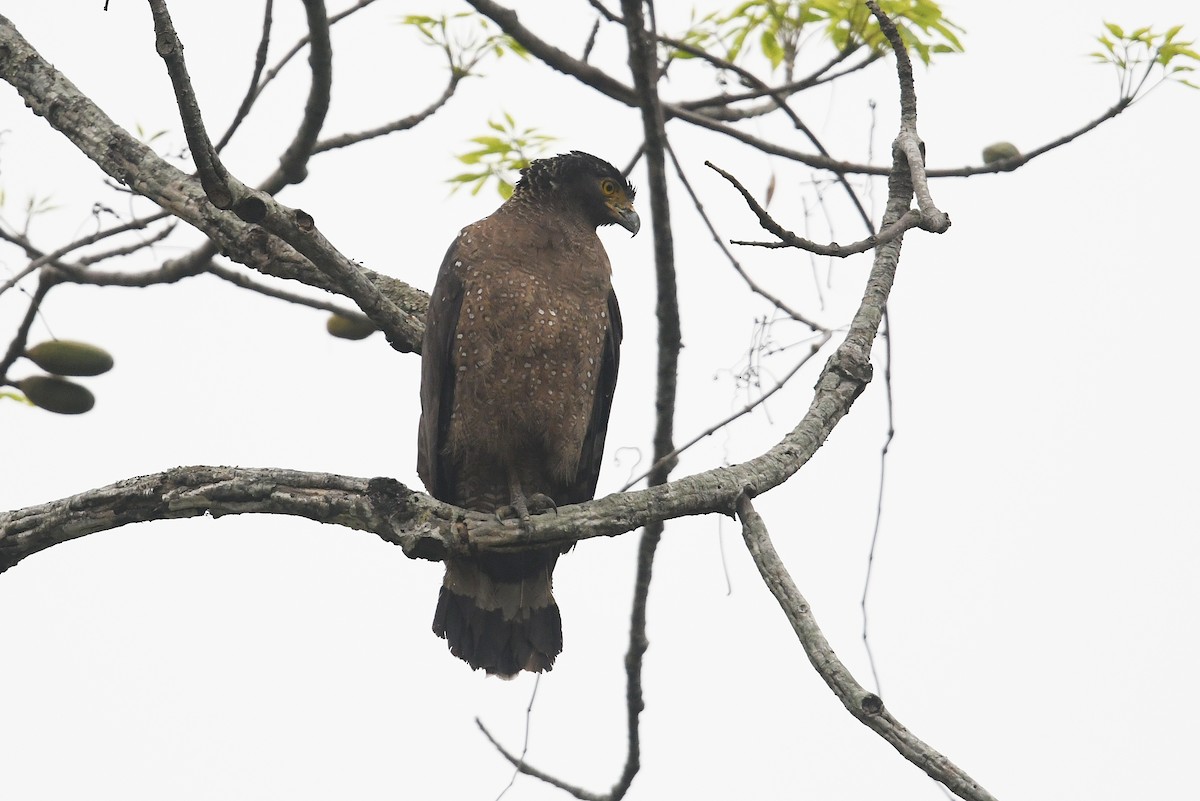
609, 187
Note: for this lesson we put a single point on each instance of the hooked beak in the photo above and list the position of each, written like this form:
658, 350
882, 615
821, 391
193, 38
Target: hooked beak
628, 219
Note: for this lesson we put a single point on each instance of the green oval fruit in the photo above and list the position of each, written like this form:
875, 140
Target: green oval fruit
56, 394
65, 357
999, 152
349, 327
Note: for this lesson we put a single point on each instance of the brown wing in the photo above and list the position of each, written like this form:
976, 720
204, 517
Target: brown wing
584, 486
437, 378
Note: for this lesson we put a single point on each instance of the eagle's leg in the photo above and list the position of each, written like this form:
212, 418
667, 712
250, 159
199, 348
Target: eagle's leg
522, 505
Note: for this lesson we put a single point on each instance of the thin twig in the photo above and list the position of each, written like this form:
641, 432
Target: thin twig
537, 682
187, 266
246, 282
754, 286
822, 338
816, 78
886, 334
260, 62
302, 42
54, 256
403, 124
789, 239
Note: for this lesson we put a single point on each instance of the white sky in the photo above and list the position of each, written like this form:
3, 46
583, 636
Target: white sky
1033, 607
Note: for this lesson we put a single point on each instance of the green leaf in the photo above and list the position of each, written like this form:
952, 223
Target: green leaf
771, 48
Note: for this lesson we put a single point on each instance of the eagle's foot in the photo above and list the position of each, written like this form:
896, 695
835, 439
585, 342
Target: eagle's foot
523, 506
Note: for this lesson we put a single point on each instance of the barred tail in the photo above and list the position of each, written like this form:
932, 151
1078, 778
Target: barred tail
497, 612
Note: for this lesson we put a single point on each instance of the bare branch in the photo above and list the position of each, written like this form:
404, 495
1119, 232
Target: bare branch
54, 256
403, 124
819, 76
867, 707
260, 62
1010, 164
788, 239
302, 42
755, 287
246, 282
169, 272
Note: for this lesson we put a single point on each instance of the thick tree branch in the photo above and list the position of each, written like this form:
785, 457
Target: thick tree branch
427, 528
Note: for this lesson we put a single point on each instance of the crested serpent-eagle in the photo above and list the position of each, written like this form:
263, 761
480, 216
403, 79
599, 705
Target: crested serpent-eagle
518, 367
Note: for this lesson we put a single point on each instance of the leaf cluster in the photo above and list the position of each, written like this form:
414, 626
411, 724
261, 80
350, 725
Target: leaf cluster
776, 29
1136, 54
499, 156
466, 38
